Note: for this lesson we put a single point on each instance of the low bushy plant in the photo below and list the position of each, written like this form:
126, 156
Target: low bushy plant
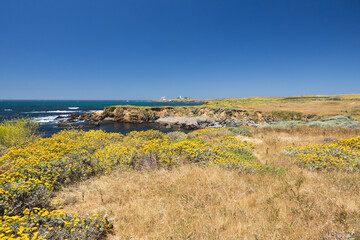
336, 121
177, 136
287, 115
17, 131
242, 130
334, 155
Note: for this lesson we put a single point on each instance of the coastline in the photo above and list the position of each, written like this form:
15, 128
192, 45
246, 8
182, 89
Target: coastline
181, 100
333, 111
189, 114
205, 117
53, 115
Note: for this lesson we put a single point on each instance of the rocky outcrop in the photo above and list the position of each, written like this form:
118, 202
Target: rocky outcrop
203, 117
186, 117
183, 122
71, 121
201, 122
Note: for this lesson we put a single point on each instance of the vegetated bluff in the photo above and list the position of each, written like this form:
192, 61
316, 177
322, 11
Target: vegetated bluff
190, 117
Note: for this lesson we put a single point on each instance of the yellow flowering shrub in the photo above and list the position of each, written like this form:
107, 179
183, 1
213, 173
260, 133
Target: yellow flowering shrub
56, 224
340, 154
17, 131
209, 133
31, 173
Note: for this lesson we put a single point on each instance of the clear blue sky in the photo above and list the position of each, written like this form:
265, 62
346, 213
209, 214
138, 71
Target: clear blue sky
145, 49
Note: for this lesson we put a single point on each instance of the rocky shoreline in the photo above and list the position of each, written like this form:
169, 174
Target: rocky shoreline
201, 122
70, 121
171, 117
180, 117
192, 118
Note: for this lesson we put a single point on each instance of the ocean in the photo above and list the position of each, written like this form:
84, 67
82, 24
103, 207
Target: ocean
45, 112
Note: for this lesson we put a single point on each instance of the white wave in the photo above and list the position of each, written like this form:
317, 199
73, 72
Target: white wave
55, 111
8, 110
47, 119
36, 112
73, 108
61, 111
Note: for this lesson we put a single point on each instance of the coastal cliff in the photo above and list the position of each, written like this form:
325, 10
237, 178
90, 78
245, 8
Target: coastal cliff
312, 110
189, 117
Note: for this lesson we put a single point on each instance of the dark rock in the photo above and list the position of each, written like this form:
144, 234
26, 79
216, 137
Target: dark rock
91, 124
156, 109
95, 124
84, 116
189, 126
216, 125
63, 125
61, 117
73, 116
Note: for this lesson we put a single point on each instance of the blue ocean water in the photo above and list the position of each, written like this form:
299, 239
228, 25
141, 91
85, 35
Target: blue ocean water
45, 112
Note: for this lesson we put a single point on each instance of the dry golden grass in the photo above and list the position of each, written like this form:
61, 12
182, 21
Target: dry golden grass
309, 104
327, 108
192, 202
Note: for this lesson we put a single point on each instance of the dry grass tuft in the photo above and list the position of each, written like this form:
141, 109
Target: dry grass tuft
192, 202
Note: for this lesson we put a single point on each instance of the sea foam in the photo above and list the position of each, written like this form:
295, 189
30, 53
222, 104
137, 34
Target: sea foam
48, 119
55, 111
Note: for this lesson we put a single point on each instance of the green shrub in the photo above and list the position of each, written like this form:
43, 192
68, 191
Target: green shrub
17, 131
229, 112
336, 121
195, 111
287, 115
243, 130
275, 170
219, 109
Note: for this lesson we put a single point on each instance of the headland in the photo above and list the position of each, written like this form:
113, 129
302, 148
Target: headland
312, 110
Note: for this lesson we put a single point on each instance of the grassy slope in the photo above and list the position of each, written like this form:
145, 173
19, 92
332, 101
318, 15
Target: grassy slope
285, 202
320, 105
310, 105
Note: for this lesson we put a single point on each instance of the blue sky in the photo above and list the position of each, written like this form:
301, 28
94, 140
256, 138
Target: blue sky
141, 49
